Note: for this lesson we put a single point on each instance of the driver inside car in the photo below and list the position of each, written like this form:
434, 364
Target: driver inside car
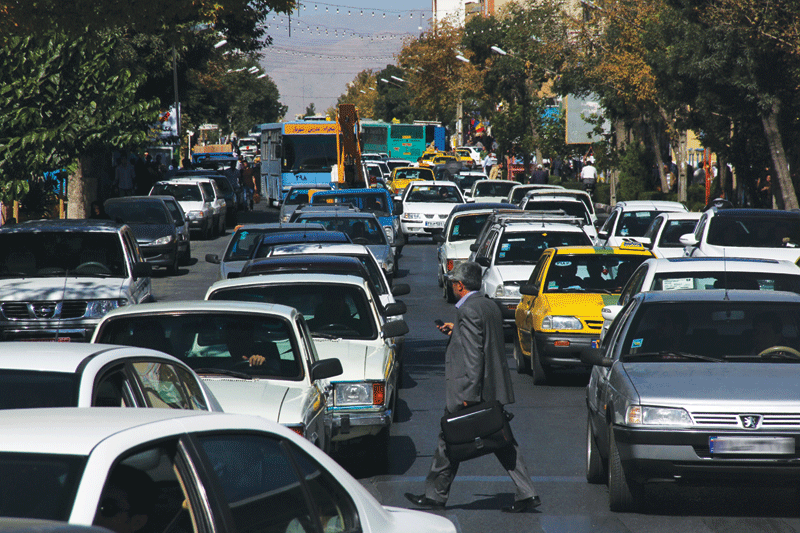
767, 332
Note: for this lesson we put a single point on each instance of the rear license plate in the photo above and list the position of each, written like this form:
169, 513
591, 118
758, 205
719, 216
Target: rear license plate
752, 445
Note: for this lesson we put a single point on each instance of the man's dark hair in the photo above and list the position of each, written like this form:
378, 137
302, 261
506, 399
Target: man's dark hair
469, 273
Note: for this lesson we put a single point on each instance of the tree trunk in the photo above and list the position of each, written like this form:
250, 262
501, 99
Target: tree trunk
651, 129
785, 194
79, 188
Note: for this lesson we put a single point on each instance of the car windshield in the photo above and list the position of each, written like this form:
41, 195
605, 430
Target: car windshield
47, 254
182, 193
467, 227
433, 194
591, 272
493, 188
635, 223
138, 212
571, 208
215, 342
43, 487
675, 281
296, 197
525, 247
413, 174
755, 231
175, 211
20, 389
361, 230
330, 309
714, 331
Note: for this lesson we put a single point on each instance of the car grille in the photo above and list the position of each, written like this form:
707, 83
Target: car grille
594, 324
734, 420
436, 217
43, 310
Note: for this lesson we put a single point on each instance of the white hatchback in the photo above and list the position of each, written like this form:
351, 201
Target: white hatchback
188, 471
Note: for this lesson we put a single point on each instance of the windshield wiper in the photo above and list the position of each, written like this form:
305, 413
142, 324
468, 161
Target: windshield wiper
324, 335
224, 372
671, 353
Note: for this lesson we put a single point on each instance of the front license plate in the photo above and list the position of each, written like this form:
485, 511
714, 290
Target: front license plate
434, 224
752, 445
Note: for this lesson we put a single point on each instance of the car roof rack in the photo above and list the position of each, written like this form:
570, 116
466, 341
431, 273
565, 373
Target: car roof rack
557, 216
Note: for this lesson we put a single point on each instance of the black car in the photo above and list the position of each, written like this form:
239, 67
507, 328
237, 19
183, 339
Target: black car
153, 226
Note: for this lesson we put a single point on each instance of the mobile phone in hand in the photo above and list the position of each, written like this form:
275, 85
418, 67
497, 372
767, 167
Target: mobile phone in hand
438, 322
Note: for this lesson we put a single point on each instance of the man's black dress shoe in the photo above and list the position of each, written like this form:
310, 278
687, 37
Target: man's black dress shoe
423, 501
523, 505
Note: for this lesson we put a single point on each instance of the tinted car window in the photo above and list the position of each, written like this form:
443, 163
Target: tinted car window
43, 485
138, 212
754, 231
182, 193
573, 209
672, 281
360, 230
596, 272
670, 237
175, 211
214, 341
243, 244
467, 227
433, 193
20, 389
55, 253
331, 309
635, 223
526, 247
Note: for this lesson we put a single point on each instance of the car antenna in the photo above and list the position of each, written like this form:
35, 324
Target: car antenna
725, 273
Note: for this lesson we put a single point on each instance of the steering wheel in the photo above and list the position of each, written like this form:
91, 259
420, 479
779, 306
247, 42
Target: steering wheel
92, 267
772, 350
360, 240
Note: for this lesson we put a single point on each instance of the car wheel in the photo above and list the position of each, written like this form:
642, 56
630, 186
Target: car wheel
447, 292
623, 494
186, 258
540, 372
523, 363
595, 469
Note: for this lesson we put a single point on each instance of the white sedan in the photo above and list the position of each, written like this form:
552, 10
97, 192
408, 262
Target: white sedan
173, 470
45, 374
426, 206
255, 358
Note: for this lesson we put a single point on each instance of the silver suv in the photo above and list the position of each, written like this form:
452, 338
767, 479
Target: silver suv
58, 278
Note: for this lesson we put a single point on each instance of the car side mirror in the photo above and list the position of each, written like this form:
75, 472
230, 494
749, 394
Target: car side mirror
602, 235
483, 261
529, 289
594, 357
394, 309
212, 258
399, 289
398, 208
473, 247
394, 328
142, 270
647, 242
232, 275
438, 237
610, 312
326, 368
398, 198
688, 240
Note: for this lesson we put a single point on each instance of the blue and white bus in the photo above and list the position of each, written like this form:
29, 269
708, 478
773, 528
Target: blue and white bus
297, 153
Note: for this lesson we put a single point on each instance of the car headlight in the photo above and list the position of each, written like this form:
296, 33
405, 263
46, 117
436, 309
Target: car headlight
359, 393
286, 218
412, 216
162, 240
99, 308
642, 415
561, 322
389, 231
507, 290
195, 214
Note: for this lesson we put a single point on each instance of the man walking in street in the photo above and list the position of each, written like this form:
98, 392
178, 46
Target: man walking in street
476, 370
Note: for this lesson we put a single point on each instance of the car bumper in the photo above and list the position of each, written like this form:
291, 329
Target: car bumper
563, 348
66, 331
685, 455
198, 224
159, 255
351, 424
419, 229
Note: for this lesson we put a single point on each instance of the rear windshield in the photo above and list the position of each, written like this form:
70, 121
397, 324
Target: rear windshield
755, 232
369, 202
329, 309
494, 188
213, 342
39, 485
182, 193
526, 247
20, 389
635, 223
48, 254
573, 209
467, 227
674, 281
138, 212
360, 230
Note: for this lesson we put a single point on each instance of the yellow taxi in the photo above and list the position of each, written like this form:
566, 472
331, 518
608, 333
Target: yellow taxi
560, 312
402, 176
428, 156
465, 157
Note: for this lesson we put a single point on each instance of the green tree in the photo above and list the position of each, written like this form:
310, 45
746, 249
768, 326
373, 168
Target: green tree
393, 100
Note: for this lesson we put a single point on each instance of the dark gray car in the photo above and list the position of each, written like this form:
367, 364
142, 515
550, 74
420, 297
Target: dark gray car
153, 226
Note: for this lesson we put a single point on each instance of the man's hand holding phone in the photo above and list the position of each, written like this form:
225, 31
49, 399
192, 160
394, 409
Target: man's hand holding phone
444, 327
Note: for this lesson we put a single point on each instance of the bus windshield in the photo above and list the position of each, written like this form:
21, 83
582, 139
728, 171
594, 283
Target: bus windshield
308, 153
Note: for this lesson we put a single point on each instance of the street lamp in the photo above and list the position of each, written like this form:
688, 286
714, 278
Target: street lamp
221, 43
462, 58
398, 79
499, 50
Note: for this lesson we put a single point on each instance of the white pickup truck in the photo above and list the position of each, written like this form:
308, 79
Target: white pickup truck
58, 278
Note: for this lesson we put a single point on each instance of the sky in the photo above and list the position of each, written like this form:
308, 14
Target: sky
332, 42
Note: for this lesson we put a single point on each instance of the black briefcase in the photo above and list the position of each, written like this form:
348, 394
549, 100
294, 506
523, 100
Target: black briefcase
476, 430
